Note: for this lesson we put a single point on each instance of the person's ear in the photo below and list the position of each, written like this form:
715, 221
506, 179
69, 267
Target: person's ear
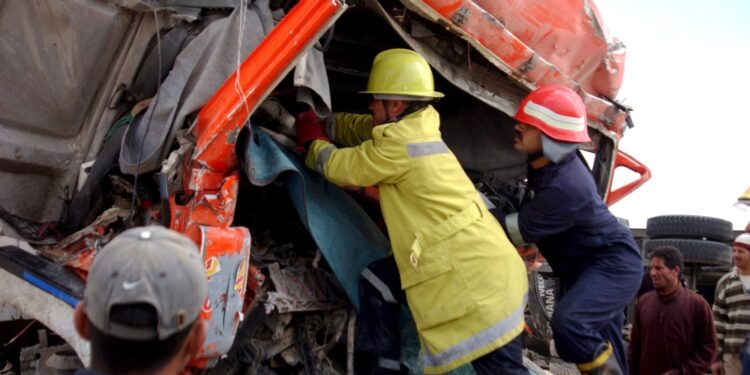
397, 107
195, 339
81, 321
191, 347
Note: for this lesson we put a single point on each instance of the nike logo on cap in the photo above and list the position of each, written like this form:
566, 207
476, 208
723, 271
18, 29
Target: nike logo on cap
130, 285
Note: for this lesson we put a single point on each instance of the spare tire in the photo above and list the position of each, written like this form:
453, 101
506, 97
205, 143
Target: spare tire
689, 226
696, 251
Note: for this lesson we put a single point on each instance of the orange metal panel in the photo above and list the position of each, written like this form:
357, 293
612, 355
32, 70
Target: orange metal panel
211, 177
226, 254
568, 34
542, 42
626, 161
219, 121
208, 207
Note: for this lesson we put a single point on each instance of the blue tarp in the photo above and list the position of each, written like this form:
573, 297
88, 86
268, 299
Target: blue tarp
347, 237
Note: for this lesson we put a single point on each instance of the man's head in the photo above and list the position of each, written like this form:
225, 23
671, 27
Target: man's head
741, 252
142, 301
400, 82
666, 268
551, 120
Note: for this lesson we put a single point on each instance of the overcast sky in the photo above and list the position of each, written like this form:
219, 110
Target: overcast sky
687, 76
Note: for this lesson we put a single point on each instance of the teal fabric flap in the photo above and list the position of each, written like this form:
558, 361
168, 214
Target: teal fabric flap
347, 237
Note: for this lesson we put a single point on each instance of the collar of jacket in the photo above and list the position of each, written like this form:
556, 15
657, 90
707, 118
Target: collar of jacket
426, 121
549, 169
397, 119
734, 274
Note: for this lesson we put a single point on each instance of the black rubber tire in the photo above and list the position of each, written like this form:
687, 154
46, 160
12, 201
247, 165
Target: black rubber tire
689, 226
696, 251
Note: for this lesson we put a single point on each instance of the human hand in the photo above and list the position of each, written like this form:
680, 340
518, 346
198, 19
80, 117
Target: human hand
530, 256
309, 128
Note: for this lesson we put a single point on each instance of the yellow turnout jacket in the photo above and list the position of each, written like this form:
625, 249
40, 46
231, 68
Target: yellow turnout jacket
465, 283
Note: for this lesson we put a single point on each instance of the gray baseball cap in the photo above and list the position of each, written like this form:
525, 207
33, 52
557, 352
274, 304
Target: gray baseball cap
151, 265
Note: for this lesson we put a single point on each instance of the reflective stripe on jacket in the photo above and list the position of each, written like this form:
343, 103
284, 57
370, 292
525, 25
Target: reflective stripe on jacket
464, 282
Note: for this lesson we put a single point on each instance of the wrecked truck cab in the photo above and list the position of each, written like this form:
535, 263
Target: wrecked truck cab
106, 125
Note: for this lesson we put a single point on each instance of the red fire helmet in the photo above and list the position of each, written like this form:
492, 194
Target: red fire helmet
556, 111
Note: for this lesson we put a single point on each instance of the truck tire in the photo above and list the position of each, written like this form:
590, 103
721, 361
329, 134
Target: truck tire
696, 251
688, 226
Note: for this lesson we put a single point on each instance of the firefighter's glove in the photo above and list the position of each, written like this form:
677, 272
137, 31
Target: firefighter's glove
309, 128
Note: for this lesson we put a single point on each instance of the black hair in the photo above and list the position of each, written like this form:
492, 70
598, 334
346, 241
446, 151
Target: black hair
671, 255
118, 355
414, 106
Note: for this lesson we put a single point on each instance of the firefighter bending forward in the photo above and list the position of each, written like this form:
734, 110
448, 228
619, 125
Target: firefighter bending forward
594, 256
452, 264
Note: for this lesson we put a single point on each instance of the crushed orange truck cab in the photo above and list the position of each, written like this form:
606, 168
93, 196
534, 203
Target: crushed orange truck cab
180, 112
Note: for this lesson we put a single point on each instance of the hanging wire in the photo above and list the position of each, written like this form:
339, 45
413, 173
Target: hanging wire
237, 84
150, 117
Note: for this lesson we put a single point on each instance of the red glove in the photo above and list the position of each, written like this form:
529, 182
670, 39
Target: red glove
310, 128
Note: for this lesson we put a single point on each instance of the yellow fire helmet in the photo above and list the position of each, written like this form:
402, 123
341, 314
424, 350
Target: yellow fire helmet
401, 74
743, 202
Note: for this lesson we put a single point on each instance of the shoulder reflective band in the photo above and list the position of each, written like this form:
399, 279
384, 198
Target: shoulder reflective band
514, 230
416, 150
322, 159
552, 118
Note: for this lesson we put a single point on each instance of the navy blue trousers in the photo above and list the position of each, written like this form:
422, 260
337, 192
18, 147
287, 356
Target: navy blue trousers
378, 336
589, 313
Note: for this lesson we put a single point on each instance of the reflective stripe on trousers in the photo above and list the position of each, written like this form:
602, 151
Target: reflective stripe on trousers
375, 281
378, 321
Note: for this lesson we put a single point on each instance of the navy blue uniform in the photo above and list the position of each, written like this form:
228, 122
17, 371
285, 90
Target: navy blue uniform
594, 256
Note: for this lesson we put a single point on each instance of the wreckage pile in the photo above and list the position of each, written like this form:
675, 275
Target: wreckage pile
298, 320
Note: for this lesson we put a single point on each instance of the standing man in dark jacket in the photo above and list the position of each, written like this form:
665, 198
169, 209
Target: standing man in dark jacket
594, 256
673, 331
